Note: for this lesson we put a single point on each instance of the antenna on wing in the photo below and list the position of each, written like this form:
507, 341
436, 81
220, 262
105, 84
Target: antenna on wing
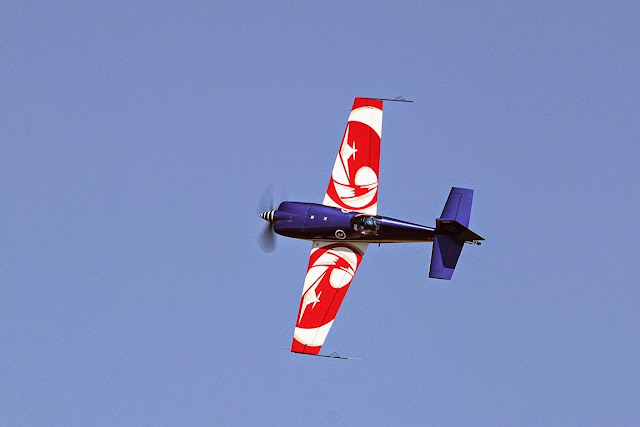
333, 355
396, 99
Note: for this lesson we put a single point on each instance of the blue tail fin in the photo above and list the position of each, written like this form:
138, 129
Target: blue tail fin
458, 206
444, 256
451, 233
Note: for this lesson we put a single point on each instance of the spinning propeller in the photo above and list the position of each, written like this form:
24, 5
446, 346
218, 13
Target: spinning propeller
267, 238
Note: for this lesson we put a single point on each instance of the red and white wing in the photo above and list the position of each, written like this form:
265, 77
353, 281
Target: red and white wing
354, 180
332, 266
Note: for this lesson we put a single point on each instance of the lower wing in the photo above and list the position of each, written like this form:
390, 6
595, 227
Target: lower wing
332, 266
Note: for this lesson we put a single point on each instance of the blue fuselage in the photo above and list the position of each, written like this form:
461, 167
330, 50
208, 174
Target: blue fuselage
313, 221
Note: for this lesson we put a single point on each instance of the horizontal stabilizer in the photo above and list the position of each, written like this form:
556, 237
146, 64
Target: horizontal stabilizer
451, 233
444, 256
458, 206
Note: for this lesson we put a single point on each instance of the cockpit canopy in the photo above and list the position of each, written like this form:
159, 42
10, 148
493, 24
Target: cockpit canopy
366, 224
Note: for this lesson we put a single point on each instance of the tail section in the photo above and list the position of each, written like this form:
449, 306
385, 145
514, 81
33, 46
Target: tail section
458, 206
444, 256
451, 233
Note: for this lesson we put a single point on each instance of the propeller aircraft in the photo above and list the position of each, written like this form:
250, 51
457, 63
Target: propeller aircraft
346, 222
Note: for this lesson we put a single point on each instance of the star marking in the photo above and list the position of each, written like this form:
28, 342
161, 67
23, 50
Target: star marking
348, 151
310, 297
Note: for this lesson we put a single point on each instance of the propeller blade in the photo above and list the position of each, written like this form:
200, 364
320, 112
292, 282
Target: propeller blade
266, 205
267, 239
266, 201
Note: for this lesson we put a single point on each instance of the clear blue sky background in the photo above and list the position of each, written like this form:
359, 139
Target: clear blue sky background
136, 139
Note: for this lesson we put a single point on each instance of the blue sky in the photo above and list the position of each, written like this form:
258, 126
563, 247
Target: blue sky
136, 139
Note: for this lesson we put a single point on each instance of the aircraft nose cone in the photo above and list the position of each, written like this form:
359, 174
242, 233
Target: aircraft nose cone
267, 216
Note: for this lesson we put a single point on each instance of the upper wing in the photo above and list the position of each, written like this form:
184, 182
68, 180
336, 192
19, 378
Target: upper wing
354, 180
331, 269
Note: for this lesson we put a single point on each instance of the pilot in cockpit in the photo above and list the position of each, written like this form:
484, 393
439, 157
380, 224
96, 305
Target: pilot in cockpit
366, 225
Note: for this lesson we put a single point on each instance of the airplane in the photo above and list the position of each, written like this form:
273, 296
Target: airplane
346, 222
